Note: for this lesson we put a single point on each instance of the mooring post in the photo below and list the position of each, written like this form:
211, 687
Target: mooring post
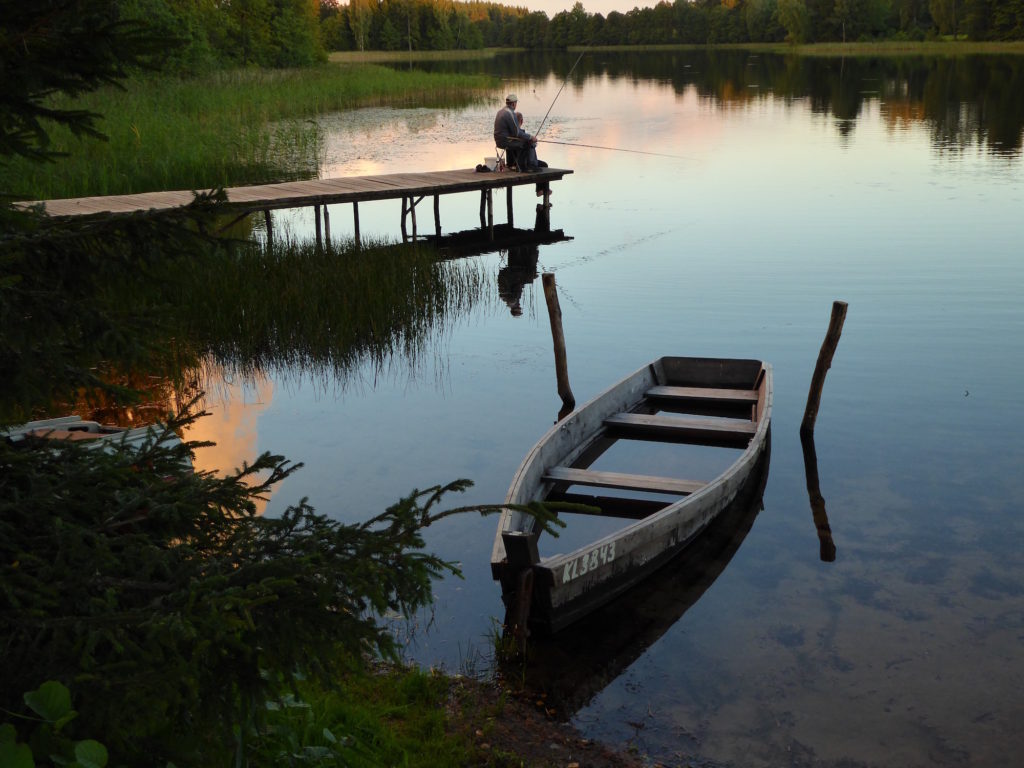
508, 206
521, 554
270, 228
555, 315
437, 215
828, 350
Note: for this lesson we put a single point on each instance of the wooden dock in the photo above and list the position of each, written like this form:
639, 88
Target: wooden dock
410, 188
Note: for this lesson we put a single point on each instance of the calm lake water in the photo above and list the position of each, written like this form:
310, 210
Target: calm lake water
771, 188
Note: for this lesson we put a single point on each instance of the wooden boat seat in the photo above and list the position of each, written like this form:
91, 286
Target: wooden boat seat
704, 394
648, 483
695, 429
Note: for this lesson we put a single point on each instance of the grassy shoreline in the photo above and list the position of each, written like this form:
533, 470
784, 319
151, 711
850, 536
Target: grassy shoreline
228, 128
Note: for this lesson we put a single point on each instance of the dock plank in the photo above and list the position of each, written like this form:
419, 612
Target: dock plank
297, 194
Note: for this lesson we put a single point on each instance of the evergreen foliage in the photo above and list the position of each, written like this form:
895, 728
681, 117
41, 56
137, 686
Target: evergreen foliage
62, 46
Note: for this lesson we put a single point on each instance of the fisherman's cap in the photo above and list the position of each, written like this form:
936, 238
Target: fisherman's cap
511, 99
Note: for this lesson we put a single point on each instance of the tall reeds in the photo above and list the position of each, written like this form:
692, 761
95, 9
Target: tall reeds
169, 133
323, 313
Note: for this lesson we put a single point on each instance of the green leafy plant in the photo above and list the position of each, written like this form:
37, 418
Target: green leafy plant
49, 743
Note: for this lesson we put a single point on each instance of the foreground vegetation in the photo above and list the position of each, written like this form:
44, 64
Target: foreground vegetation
181, 624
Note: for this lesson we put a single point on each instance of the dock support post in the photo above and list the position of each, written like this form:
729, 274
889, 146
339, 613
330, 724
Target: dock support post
316, 216
412, 207
490, 214
405, 236
270, 228
828, 350
561, 366
483, 209
327, 227
437, 215
355, 216
508, 206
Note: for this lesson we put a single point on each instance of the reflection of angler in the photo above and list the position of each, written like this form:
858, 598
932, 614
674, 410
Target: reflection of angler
520, 270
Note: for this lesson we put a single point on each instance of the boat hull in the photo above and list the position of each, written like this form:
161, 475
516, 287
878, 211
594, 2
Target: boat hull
567, 586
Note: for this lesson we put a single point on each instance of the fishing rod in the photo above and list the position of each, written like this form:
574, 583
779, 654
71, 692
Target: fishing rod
613, 149
566, 80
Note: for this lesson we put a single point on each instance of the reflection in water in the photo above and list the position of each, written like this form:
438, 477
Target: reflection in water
827, 546
953, 96
231, 425
573, 666
519, 270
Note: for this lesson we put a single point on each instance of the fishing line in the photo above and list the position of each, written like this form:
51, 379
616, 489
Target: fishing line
613, 149
566, 80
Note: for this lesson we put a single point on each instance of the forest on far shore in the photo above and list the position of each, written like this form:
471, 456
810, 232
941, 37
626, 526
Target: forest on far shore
286, 33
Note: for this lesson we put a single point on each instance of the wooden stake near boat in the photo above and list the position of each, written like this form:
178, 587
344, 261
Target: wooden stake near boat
723, 404
828, 350
558, 337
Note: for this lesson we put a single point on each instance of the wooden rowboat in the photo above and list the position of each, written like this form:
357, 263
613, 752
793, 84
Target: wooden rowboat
721, 404
91, 433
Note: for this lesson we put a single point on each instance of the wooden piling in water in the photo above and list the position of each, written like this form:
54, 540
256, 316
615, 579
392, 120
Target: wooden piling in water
828, 350
558, 337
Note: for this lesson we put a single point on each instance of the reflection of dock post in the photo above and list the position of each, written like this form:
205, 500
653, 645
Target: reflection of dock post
355, 217
319, 237
555, 315
828, 349
827, 546
490, 214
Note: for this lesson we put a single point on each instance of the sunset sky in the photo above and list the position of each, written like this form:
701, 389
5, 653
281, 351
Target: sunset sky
551, 7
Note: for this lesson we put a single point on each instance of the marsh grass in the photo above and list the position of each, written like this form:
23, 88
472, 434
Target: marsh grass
169, 133
376, 57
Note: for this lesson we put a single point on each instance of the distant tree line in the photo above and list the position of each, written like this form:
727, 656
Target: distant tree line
443, 24
287, 33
